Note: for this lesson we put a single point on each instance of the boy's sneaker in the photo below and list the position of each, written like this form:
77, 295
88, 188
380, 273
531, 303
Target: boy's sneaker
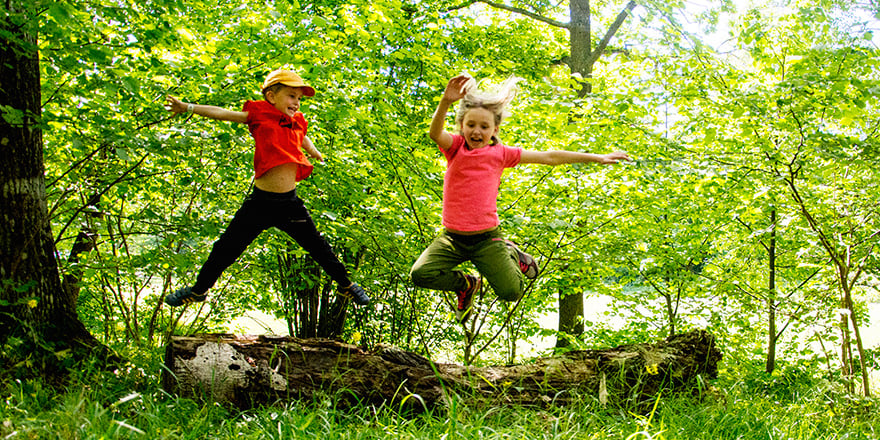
527, 264
355, 293
466, 298
184, 295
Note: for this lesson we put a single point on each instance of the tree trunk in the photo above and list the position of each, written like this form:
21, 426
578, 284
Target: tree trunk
579, 34
254, 370
672, 307
846, 352
31, 297
85, 242
771, 297
863, 368
571, 317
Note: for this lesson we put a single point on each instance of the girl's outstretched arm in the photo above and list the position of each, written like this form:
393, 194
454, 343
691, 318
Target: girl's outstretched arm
559, 157
209, 111
454, 91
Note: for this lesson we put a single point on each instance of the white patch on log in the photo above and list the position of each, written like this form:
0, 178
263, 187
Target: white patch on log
223, 369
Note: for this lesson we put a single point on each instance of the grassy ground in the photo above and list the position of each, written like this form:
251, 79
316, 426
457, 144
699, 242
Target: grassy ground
128, 404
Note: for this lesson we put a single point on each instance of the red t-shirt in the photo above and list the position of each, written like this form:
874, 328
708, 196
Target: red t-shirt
278, 138
470, 186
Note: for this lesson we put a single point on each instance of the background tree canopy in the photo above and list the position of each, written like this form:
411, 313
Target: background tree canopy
750, 209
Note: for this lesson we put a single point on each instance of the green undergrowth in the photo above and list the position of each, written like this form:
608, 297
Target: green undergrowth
128, 403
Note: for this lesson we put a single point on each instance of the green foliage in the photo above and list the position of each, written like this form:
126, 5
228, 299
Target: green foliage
676, 238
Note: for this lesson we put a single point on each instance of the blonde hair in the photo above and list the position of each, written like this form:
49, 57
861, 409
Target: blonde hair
495, 99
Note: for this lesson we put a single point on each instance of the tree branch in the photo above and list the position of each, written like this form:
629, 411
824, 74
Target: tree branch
515, 10
621, 17
461, 6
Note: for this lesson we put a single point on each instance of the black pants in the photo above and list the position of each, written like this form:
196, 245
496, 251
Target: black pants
260, 211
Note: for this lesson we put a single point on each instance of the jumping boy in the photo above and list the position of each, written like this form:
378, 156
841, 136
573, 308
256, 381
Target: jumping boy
279, 132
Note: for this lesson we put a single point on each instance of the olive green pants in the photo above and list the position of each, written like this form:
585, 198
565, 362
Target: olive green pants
496, 262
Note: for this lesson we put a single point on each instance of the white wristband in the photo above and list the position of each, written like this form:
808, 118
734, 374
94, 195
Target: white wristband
190, 108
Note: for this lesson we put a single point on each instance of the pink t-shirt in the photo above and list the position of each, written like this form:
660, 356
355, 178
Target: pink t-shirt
470, 187
278, 138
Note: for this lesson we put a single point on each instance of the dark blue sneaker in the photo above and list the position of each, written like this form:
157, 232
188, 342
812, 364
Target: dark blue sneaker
355, 293
184, 295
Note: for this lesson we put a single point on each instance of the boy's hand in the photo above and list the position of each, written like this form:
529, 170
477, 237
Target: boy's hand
612, 158
455, 89
175, 105
309, 147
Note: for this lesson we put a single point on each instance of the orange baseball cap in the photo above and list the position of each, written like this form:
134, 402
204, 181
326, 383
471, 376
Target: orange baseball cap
288, 78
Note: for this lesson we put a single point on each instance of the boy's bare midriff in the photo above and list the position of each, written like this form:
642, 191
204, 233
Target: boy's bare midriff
280, 179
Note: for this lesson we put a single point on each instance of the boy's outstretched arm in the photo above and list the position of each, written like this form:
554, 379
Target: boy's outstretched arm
309, 148
559, 157
209, 111
454, 91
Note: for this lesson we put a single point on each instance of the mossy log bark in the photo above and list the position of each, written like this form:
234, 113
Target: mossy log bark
254, 370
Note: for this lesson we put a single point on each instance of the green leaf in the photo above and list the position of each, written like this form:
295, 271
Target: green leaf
122, 153
12, 116
130, 84
709, 135
59, 12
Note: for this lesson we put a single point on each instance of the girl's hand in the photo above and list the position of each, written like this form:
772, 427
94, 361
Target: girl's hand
175, 105
612, 158
456, 88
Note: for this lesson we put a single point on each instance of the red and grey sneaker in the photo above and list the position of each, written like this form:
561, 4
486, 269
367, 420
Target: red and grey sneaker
466, 297
527, 264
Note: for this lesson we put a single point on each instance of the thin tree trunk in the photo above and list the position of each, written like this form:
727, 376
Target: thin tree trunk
846, 278
84, 243
670, 311
311, 311
845, 351
771, 296
866, 382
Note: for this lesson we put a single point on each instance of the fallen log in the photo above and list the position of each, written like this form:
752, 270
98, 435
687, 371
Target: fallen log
257, 370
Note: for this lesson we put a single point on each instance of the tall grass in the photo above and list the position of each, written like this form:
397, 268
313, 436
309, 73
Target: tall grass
128, 404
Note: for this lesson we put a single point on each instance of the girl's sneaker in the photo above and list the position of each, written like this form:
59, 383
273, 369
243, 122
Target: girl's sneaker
355, 293
184, 295
527, 264
466, 298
